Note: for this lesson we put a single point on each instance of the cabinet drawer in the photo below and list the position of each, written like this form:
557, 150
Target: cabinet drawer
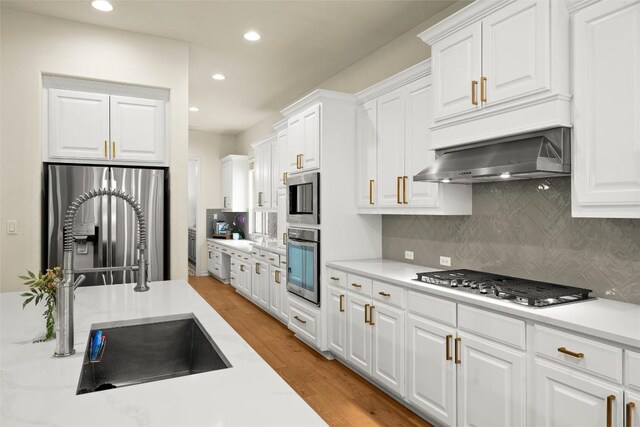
209, 245
303, 322
590, 356
273, 259
359, 284
235, 266
233, 279
632, 369
390, 294
493, 326
336, 278
238, 255
437, 309
216, 247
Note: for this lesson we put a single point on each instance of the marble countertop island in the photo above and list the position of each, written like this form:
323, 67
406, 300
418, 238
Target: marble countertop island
38, 389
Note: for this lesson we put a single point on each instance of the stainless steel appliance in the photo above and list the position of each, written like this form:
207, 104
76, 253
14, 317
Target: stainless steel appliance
303, 263
105, 229
220, 227
541, 154
521, 291
303, 198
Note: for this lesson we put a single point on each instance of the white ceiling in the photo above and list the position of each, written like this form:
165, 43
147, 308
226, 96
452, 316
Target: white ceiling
303, 44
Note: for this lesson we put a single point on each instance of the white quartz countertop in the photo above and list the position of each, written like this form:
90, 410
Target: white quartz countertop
277, 249
37, 389
240, 245
603, 318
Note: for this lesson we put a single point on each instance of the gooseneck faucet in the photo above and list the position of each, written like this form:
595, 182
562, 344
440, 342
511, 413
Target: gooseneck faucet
64, 291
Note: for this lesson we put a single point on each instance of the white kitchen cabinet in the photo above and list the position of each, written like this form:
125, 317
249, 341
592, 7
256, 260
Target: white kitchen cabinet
391, 141
260, 284
304, 140
234, 183
78, 125
277, 292
281, 159
632, 408
605, 170
337, 321
499, 68
388, 346
282, 215
431, 373
244, 279
366, 160
490, 376
359, 332
101, 128
262, 187
137, 130
565, 398
210, 260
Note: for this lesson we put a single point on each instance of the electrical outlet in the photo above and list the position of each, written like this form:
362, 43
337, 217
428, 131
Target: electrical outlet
446, 261
12, 226
215, 216
408, 255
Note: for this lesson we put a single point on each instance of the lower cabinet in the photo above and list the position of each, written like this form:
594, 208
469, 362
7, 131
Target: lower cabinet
337, 322
431, 372
388, 346
244, 279
210, 261
632, 408
566, 398
278, 301
359, 332
260, 284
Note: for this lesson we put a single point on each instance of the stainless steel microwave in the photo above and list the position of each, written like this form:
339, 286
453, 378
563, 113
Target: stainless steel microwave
303, 198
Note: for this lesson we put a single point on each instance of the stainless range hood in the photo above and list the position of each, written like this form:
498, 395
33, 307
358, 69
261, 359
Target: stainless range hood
540, 154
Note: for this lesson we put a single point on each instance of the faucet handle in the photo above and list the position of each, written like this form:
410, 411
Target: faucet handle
78, 281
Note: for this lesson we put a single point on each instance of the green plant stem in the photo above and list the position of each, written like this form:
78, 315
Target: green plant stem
50, 319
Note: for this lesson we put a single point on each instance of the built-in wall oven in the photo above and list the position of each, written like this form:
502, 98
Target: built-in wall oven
303, 198
303, 263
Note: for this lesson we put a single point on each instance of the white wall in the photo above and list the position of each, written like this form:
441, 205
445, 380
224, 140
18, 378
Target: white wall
31, 45
209, 148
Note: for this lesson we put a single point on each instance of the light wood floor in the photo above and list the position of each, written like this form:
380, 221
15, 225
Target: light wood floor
338, 395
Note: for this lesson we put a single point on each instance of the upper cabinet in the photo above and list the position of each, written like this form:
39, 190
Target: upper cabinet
304, 140
606, 88
98, 128
235, 173
262, 174
393, 144
499, 67
280, 155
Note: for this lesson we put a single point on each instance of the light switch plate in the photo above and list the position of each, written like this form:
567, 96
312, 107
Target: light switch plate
12, 226
446, 261
408, 255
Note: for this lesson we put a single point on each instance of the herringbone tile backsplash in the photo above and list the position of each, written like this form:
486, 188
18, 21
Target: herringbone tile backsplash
520, 229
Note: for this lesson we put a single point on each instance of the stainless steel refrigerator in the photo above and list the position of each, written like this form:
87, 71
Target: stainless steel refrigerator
105, 230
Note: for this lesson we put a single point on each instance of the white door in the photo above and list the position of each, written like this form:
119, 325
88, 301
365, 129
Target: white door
391, 137
256, 283
388, 346
337, 321
244, 279
417, 153
491, 384
282, 215
606, 80
632, 408
366, 155
565, 398
262, 176
274, 172
359, 332
431, 373
264, 278
137, 130
516, 54
78, 125
457, 64
275, 291
227, 180
283, 157
210, 262
295, 143
284, 297
311, 151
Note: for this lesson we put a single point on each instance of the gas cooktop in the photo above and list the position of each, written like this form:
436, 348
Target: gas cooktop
520, 291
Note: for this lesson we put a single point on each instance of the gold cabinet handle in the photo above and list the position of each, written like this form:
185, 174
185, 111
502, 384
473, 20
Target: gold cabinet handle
297, 161
404, 190
335, 278
224, 202
474, 92
284, 238
457, 351
341, 303
398, 182
113, 150
366, 310
448, 347
284, 178
371, 191
257, 268
242, 268
483, 89
277, 276
299, 319
105, 148
301, 161
630, 407
209, 254
356, 285
384, 294
610, 400
571, 353
371, 315
259, 198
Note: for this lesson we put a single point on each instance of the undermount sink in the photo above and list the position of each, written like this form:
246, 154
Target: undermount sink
151, 349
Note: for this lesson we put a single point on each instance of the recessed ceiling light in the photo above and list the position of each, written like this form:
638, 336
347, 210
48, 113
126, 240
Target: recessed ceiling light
218, 76
102, 5
252, 36
505, 175
194, 109
446, 180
